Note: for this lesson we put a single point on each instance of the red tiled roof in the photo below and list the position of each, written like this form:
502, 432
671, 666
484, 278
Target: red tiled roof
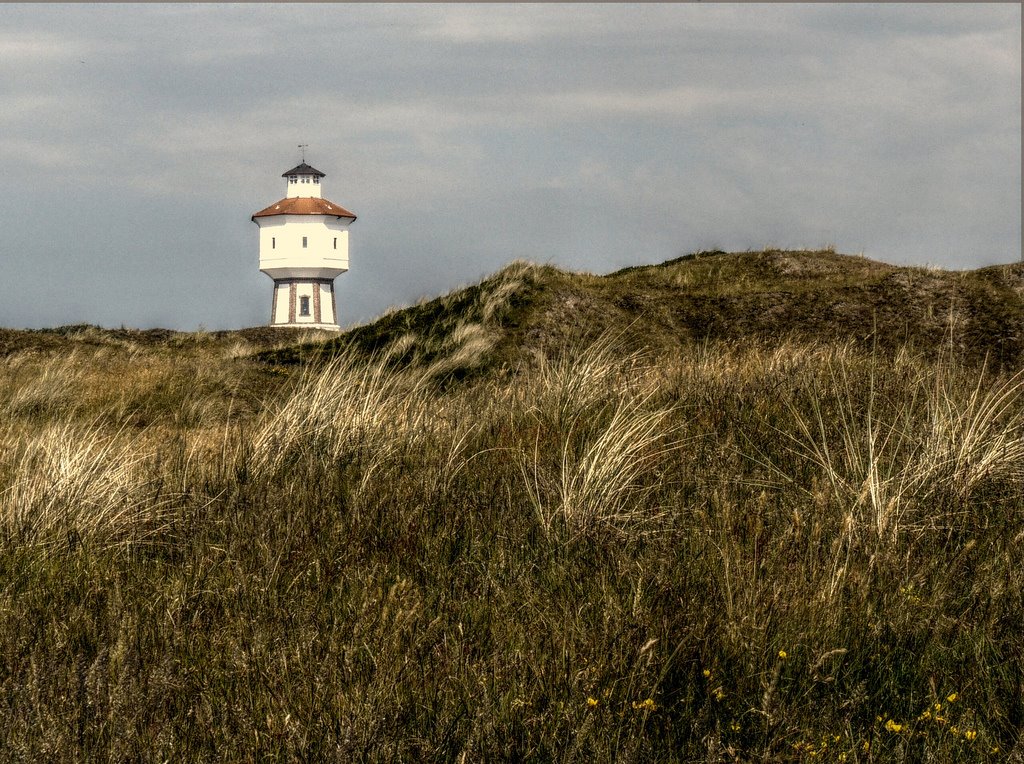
304, 205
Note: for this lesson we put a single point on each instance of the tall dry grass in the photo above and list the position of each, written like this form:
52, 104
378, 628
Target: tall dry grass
345, 407
596, 403
375, 561
949, 432
599, 484
73, 482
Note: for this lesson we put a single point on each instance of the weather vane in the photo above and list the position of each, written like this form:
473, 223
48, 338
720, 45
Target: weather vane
303, 147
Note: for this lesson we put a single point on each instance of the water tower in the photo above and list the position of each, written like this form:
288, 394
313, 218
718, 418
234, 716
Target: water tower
303, 248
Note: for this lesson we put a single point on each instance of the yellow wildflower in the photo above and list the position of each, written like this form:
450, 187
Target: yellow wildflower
954, 730
937, 706
735, 726
719, 694
893, 726
707, 673
592, 702
783, 655
925, 716
970, 734
645, 705
951, 698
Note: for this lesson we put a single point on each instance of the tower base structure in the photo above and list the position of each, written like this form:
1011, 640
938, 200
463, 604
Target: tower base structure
306, 303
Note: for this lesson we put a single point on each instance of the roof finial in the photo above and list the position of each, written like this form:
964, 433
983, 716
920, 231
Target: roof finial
303, 147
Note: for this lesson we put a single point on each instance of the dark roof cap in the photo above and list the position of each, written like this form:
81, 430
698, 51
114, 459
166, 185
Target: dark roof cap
304, 169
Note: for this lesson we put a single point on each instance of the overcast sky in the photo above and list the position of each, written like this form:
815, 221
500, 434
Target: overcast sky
137, 141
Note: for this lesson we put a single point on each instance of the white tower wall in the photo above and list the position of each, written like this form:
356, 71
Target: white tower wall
283, 254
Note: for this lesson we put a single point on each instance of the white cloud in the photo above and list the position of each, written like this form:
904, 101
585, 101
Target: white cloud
464, 23
49, 155
684, 101
34, 47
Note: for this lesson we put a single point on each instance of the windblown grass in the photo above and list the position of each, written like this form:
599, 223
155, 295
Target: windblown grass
757, 552
71, 482
338, 409
599, 483
892, 464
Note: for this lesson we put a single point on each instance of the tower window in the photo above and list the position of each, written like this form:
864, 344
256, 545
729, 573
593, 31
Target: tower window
303, 242
273, 242
316, 180
304, 306
335, 242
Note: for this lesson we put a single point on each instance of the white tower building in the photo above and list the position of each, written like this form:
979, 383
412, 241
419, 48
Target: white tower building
303, 248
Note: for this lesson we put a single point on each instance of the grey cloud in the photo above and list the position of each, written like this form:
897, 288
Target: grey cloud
590, 136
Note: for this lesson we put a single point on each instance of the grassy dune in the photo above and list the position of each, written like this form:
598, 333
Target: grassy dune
515, 524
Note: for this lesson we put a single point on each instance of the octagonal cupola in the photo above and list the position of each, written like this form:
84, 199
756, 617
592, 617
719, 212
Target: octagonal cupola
303, 181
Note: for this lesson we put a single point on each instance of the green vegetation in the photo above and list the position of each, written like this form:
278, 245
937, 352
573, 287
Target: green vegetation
528, 310
736, 507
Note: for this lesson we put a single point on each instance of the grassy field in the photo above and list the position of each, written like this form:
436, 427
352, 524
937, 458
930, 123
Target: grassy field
549, 517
